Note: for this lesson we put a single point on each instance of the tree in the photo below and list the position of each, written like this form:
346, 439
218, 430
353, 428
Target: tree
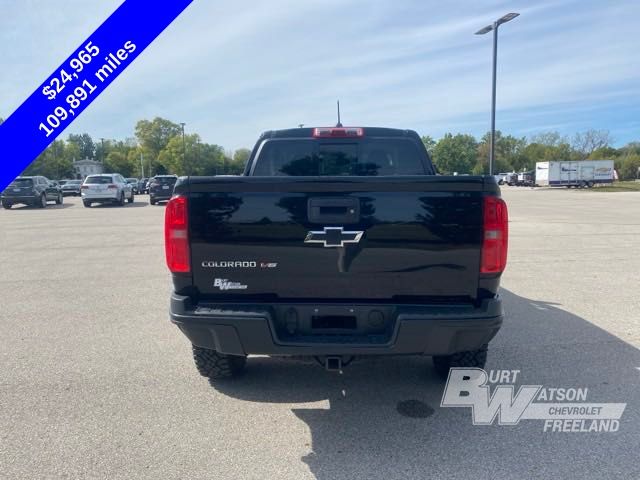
200, 159
586, 143
510, 154
119, 163
87, 148
171, 155
604, 153
53, 163
631, 148
548, 139
455, 153
630, 167
153, 136
241, 156
429, 144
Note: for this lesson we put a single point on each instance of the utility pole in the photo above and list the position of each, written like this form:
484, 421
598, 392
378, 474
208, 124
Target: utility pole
102, 150
184, 151
494, 27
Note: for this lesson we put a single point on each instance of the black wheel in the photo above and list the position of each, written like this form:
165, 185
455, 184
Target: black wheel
6, 206
43, 201
130, 200
152, 201
589, 184
469, 359
59, 200
120, 201
86, 204
216, 365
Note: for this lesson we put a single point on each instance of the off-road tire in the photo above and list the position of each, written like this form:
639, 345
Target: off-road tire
469, 359
216, 365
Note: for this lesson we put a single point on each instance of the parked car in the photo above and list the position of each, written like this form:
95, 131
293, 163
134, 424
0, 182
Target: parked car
106, 188
142, 185
511, 179
161, 188
71, 187
134, 184
35, 191
526, 179
336, 243
502, 178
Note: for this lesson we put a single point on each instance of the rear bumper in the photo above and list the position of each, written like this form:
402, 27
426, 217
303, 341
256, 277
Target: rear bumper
111, 196
27, 199
414, 329
166, 195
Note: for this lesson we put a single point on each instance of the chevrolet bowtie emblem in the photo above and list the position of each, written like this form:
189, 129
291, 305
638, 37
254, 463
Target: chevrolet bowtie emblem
333, 237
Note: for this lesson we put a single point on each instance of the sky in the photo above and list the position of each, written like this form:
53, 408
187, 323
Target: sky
232, 69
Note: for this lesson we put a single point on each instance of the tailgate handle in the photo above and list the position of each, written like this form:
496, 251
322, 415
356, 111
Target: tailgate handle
333, 210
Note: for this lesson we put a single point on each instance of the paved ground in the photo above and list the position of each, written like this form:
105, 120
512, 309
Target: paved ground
95, 382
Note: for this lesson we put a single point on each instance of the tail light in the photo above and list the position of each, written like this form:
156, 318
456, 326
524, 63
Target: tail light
112, 185
176, 235
495, 236
338, 132
84, 187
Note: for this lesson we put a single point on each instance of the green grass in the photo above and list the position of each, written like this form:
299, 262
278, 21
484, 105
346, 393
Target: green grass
626, 186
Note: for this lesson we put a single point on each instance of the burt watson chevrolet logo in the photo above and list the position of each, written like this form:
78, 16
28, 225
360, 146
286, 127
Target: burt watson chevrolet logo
333, 237
562, 409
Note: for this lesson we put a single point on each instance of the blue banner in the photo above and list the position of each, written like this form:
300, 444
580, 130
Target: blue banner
80, 79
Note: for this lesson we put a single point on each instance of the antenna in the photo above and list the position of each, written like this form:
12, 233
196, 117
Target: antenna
339, 124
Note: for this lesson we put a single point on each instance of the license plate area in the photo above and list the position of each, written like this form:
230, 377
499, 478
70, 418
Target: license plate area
333, 322
353, 324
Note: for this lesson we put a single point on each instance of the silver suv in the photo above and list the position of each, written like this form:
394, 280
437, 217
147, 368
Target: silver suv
106, 188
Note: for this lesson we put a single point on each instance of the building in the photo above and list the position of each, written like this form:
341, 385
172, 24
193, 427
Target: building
83, 168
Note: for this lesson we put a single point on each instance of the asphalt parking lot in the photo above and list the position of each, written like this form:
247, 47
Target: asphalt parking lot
96, 383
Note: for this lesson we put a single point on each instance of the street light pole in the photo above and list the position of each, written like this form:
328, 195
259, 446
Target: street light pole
184, 150
494, 26
102, 150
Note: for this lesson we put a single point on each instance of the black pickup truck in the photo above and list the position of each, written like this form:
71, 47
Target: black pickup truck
336, 243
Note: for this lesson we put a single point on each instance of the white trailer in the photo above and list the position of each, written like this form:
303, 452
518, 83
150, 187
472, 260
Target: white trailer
583, 173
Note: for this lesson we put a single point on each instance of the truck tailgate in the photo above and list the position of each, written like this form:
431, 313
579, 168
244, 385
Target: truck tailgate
404, 239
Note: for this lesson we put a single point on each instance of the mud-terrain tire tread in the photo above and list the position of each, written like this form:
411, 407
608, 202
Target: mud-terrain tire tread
215, 365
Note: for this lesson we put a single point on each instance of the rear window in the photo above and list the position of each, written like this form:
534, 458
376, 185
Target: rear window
98, 180
367, 157
165, 180
22, 182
